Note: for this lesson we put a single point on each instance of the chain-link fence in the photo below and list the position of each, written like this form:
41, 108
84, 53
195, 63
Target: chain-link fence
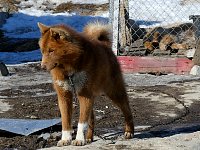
154, 27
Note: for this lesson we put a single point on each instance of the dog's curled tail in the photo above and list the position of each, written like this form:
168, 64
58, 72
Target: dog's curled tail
99, 31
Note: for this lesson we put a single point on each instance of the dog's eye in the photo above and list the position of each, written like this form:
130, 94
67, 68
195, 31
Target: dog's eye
51, 50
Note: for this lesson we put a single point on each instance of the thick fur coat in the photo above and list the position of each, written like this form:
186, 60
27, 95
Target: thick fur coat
85, 64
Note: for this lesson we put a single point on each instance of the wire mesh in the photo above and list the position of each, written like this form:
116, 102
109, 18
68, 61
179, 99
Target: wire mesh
154, 27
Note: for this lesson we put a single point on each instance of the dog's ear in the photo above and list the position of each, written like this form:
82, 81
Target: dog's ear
43, 28
60, 34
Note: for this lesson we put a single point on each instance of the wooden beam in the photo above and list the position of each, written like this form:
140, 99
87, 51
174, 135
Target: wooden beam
196, 22
196, 57
115, 24
125, 37
134, 64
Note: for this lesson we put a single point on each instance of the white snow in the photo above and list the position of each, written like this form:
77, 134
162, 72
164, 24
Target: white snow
79, 1
4, 106
24, 23
149, 13
27, 26
57, 2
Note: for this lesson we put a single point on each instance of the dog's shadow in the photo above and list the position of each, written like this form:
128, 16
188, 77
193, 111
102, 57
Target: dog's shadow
167, 131
158, 132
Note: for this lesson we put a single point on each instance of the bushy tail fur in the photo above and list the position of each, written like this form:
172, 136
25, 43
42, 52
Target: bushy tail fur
98, 31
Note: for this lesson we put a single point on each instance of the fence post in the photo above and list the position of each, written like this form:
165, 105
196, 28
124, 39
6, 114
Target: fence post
196, 22
196, 57
124, 31
114, 16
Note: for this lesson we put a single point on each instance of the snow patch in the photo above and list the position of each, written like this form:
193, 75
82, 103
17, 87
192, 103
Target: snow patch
4, 106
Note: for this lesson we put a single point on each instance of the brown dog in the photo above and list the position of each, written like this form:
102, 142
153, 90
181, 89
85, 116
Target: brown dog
86, 60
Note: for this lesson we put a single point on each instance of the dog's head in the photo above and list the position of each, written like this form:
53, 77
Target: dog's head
59, 46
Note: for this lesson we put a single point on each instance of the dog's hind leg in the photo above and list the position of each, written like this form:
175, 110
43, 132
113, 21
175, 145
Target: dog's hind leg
90, 132
86, 104
119, 97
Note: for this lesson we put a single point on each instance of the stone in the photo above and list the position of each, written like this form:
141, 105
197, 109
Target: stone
190, 53
45, 136
3, 69
56, 135
195, 70
33, 117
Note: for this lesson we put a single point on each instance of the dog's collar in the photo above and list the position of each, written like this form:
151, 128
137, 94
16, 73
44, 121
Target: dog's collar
71, 82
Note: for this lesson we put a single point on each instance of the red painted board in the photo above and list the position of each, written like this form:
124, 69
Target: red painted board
134, 64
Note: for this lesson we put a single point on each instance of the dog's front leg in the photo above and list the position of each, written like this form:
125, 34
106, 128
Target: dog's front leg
65, 106
86, 104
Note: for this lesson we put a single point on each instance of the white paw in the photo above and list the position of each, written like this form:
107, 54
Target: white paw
78, 142
63, 143
80, 135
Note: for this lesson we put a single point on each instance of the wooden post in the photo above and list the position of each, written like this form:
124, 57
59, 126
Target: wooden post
196, 57
196, 22
114, 16
124, 31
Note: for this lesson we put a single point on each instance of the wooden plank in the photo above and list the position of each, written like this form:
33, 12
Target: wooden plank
134, 64
115, 25
122, 25
196, 57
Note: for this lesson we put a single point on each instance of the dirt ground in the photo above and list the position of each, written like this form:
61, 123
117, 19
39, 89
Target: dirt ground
34, 98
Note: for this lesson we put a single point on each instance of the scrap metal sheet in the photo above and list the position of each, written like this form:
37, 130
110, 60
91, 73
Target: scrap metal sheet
26, 126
